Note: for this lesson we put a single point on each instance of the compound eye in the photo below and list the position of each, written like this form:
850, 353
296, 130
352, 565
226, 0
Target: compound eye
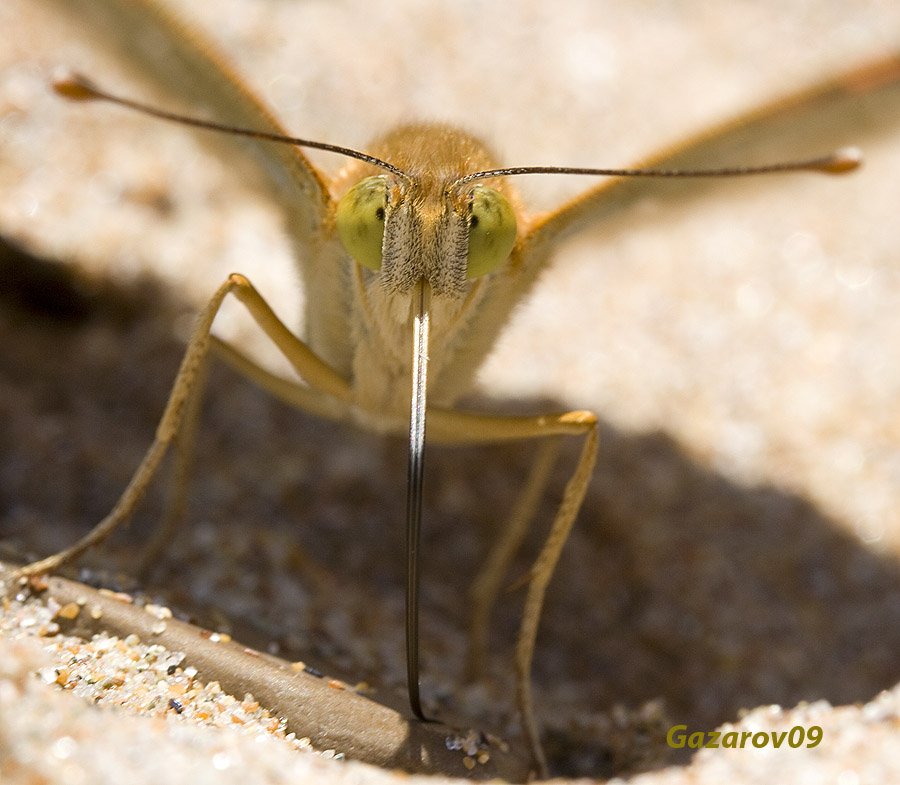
492, 231
360, 221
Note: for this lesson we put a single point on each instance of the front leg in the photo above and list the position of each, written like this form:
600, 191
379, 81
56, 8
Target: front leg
324, 380
458, 427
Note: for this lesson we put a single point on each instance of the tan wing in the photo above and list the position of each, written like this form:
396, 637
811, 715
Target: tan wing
177, 59
830, 114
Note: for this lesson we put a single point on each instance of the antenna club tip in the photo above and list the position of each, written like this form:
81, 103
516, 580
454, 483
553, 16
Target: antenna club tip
844, 160
73, 86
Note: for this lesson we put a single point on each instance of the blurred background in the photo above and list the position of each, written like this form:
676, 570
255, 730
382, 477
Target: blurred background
739, 542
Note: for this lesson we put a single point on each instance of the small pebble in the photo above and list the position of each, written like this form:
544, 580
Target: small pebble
69, 611
158, 611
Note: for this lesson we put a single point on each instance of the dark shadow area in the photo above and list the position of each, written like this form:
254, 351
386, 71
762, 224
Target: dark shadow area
677, 583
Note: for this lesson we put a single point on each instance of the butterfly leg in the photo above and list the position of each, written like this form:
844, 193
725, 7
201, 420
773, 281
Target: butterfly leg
458, 427
320, 376
176, 505
492, 575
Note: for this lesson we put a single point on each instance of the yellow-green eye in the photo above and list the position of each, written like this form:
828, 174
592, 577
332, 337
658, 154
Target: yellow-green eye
492, 231
360, 221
